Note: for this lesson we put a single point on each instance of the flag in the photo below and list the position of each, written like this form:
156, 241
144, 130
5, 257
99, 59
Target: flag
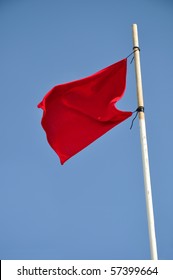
77, 113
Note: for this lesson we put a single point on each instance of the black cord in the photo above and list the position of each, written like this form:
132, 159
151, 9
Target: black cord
134, 50
139, 109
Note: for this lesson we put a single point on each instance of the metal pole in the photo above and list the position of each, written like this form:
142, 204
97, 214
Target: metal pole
144, 147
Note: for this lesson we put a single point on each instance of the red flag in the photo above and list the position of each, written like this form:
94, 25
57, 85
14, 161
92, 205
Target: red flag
77, 113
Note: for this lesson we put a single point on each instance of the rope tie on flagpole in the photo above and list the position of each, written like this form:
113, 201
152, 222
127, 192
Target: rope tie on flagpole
139, 109
134, 50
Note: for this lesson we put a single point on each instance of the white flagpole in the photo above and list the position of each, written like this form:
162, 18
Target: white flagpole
143, 138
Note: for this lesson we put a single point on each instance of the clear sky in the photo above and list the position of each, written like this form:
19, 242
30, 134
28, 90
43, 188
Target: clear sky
92, 207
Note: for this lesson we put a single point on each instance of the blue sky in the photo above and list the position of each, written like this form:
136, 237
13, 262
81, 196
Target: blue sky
92, 207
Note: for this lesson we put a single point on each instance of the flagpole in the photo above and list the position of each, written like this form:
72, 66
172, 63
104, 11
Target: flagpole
144, 148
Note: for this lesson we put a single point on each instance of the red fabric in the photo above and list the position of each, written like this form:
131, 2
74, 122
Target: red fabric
77, 113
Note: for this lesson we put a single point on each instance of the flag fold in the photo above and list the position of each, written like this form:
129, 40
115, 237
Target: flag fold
77, 113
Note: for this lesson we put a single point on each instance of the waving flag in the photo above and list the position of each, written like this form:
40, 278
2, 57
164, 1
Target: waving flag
77, 113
